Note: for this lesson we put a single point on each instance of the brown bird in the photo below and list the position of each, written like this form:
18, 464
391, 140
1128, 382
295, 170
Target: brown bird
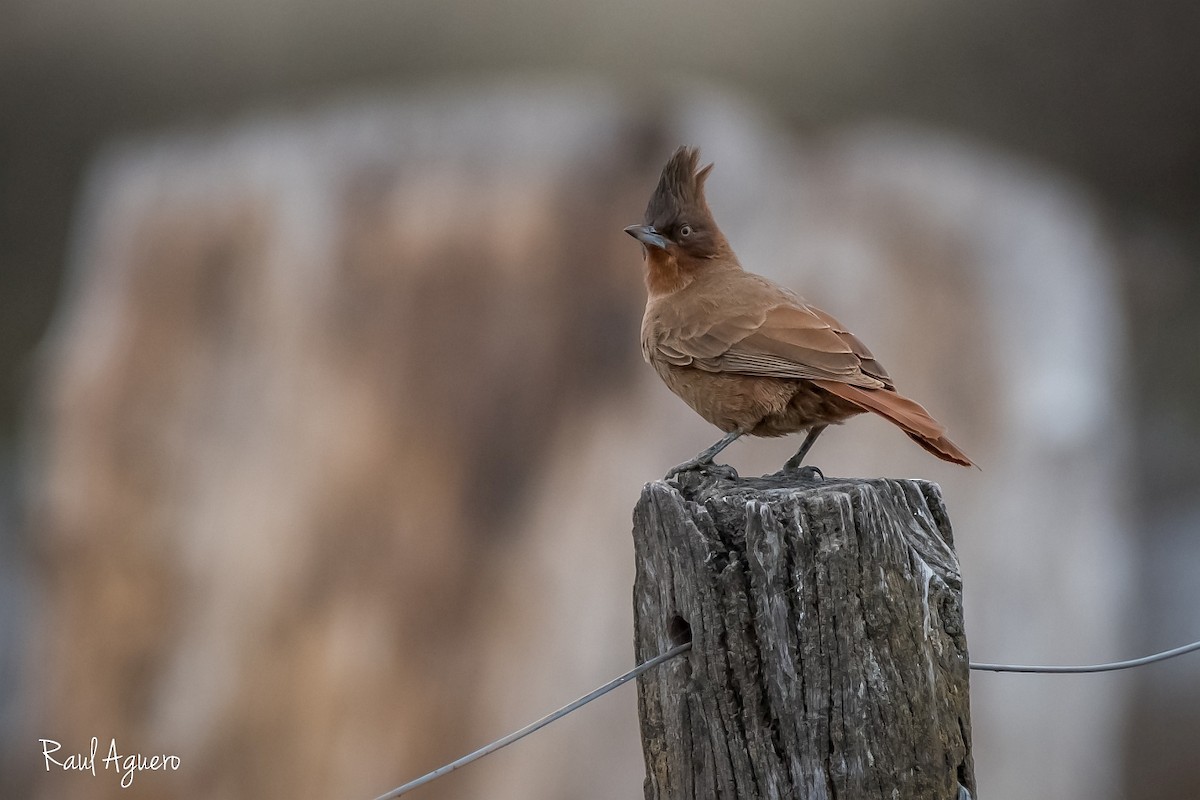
749, 356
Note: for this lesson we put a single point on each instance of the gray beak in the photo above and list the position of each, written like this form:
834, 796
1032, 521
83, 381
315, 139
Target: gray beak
648, 236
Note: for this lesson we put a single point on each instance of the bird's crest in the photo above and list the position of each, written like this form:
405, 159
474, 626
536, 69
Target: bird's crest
680, 188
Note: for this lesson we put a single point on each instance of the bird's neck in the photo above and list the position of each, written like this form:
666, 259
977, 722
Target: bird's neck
664, 273
669, 272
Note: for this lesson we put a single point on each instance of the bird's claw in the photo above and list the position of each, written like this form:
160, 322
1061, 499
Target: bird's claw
808, 474
702, 465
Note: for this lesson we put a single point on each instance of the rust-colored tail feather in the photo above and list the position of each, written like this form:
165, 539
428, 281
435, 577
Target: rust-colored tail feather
904, 413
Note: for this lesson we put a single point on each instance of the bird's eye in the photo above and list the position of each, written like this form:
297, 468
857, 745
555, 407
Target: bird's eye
685, 230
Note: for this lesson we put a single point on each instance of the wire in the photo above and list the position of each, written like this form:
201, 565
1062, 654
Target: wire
1115, 665
683, 648
541, 723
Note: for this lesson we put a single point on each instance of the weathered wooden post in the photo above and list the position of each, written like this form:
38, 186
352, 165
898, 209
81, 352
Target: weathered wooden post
828, 655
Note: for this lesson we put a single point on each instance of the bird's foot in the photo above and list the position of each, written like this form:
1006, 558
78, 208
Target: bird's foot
809, 474
702, 464
793, 463
704, 461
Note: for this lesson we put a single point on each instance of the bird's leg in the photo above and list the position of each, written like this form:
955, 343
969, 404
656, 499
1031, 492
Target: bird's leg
705, 458
795, 461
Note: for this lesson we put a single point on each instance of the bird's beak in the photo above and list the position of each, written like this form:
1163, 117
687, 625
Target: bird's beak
648, 236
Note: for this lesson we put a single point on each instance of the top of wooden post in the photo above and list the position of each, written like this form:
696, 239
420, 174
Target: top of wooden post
828, 654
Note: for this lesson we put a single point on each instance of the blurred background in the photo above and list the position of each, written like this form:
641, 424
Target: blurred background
322, 411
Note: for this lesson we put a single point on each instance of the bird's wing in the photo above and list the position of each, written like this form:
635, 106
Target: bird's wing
869, 365
784, 338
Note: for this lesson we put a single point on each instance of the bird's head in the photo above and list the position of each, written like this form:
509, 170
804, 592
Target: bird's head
678, 229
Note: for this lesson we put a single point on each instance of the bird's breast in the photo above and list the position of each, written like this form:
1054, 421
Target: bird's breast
726, 400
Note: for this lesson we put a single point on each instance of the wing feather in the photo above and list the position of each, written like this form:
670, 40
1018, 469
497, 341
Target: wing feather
786, 338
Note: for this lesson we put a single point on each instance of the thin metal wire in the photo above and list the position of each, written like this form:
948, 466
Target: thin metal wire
1115, 665
541, 723
683, 648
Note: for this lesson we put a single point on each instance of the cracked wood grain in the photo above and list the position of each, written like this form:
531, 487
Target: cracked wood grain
829, 658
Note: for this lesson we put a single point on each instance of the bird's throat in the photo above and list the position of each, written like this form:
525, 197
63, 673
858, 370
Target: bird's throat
664, 273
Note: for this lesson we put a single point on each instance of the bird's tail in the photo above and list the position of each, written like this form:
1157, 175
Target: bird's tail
905, 414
